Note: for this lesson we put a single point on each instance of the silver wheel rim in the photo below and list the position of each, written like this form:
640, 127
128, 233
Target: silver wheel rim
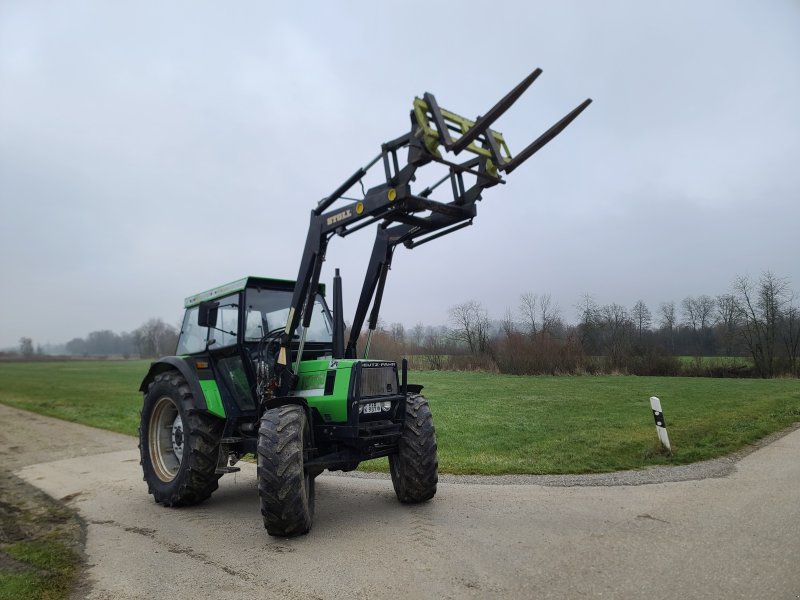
166, 439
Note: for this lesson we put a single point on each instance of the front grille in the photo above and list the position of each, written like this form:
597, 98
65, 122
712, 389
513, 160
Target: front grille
378, 381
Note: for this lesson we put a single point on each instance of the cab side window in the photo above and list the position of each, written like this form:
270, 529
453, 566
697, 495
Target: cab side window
193, 337
227, 323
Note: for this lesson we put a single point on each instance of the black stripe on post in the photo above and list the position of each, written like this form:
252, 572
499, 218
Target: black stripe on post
659, 417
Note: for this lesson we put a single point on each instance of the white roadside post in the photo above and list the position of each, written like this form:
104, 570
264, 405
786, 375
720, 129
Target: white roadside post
661, 425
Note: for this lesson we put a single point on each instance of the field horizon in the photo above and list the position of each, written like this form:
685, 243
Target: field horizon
486, 423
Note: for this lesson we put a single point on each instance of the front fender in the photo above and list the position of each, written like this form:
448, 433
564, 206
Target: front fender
176, 363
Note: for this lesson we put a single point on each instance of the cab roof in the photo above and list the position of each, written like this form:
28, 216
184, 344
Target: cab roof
251, 281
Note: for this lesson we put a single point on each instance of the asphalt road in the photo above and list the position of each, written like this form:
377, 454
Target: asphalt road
736, 536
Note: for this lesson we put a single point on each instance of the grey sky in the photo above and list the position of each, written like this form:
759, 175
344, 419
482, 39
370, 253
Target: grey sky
152, 150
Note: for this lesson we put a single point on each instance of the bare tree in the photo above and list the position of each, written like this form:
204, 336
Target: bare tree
435, 347
642, 318
690, 316
77, 347
705, 308
726, 320
397, 332
667, 316
549, 314
26, 347
697, 315
667, 321
539, 314
616, 326
527, 309
102, 343
418, 334
507, 325
588, 329
471, 325
760, 306
791, 337
155, 338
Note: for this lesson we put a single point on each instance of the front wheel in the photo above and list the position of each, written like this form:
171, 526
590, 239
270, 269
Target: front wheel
285, 488
415, 467
177, 445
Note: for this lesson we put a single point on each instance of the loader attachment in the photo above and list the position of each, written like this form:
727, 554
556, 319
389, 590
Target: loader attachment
405, 216
545, 138
476, 136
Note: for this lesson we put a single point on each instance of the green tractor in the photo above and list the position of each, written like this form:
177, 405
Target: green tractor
262, 366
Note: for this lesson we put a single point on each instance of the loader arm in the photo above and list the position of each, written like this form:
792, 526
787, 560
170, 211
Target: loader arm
403, 216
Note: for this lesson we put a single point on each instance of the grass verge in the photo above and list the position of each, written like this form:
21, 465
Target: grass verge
487, 423
39, 544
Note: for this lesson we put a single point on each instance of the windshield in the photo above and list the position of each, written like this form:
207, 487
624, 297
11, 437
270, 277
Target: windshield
267, 310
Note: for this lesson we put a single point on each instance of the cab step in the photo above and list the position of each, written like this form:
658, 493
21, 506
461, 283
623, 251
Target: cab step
222, 470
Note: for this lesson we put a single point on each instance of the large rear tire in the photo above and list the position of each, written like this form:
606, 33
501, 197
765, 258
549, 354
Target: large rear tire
285, 488
178, 445
415, 467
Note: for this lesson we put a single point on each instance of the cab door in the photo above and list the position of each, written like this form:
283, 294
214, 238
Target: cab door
229, 359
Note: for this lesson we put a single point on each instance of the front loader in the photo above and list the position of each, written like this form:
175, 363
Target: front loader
262, 365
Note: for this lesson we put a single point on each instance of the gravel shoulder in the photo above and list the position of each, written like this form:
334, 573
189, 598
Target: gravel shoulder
718, 467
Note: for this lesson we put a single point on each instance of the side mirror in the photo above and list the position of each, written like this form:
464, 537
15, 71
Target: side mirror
207, 314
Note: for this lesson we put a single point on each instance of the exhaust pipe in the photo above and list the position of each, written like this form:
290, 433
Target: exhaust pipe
338, 317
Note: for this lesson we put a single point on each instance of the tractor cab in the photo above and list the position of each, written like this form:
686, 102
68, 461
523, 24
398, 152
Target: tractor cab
244, 312
224, 332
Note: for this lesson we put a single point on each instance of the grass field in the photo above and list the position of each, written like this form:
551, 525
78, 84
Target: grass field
716, 360
487, 423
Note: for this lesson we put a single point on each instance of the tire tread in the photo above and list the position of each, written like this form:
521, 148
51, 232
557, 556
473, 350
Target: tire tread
415, 468
286, 493
198, 480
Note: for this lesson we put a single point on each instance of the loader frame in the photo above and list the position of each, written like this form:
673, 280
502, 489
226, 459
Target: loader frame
406, 217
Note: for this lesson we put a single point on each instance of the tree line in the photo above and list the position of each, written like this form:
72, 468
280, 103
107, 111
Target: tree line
756, 325
152, 339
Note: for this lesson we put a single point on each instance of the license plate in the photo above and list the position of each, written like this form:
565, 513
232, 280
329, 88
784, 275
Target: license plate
372, 407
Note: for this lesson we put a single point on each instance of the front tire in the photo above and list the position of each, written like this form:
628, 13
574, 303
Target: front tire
415, 467
178, 446
285, 488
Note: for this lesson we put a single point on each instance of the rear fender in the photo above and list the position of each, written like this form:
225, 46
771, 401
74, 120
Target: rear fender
176, 363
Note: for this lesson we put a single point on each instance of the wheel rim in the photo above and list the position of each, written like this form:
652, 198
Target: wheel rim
166, 439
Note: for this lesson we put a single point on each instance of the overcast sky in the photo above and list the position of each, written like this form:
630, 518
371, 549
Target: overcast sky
151, 150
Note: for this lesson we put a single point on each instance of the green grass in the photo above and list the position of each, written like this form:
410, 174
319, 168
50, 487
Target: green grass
507, 424
99, 393
722, 361
488, 423
47, 571
27, 586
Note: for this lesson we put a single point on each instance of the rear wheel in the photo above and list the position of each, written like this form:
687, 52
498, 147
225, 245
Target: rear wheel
285, 488
178, 446
415, 467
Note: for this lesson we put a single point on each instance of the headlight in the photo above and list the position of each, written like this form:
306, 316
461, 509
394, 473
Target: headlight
387, 405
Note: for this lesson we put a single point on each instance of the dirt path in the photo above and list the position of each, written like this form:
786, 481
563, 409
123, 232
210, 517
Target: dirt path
27, 438
736, 536
28, 515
